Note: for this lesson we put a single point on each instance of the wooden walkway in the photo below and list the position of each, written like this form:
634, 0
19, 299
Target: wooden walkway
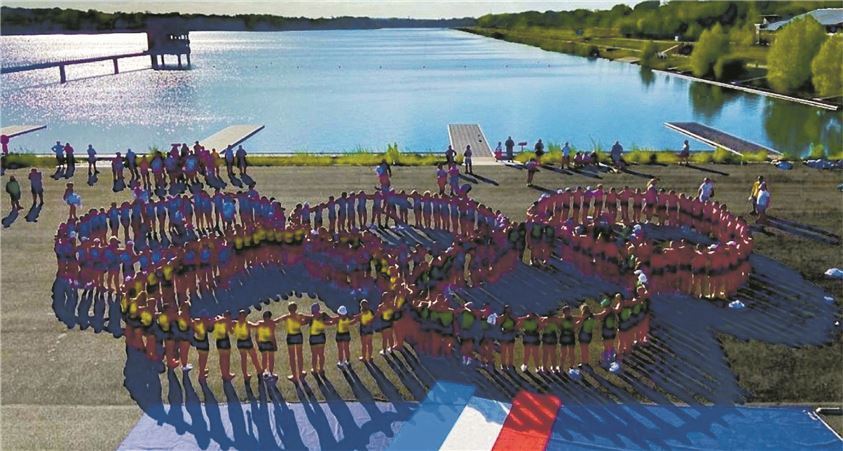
717, 138
16, 130
230, 136
462, 135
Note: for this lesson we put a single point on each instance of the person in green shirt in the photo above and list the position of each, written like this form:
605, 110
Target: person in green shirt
550, 339
13, 188
467, 319
529, 326
507, 324
567, 324
586, 323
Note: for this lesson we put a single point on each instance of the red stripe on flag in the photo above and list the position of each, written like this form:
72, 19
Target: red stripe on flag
529, 423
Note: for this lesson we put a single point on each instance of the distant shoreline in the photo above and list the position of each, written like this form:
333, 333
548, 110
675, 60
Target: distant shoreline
15, 21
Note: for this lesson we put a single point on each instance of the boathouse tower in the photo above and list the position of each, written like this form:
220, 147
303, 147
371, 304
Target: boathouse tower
167, 37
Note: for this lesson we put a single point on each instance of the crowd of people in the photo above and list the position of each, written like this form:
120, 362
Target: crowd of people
177, 250
158, 265
586, 222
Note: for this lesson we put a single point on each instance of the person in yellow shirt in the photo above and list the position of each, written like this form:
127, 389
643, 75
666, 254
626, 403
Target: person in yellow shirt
366, 318
385, 312
318, 321
182, 332
201, 325
267, 344
344, 322
293, 323
242, 329
222, 328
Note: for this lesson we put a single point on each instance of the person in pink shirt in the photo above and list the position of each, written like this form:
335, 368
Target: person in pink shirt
441, 178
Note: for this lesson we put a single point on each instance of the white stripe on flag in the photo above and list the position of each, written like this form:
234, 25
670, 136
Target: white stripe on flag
478, 426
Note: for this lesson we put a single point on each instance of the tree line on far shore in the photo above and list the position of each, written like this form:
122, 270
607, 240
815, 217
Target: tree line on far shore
15, 21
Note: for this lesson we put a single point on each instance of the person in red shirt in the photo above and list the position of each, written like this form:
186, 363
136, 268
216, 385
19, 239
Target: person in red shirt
577, 204
637, 205
612, 206
598, 195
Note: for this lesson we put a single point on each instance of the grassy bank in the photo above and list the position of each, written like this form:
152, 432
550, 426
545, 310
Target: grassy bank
60, 387
553, 156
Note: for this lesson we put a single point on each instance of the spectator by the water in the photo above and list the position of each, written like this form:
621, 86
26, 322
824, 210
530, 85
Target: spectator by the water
617, 156
510, 148
92, 160
117, 167
706, 191
685, 153
68, 156
72, 199
13, 188
228, 155
467, 160
58, 149
450, 155
762, 203
753, 195
499, 152
384, 171
132, 164
454, 178
241, 159
539, 148
566, 156
532, 168
36, 186
441, 178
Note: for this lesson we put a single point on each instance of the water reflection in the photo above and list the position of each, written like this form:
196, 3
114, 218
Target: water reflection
791, 129
647, 77
708, 100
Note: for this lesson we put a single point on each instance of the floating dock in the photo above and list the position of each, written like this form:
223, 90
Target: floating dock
717, 138
17, 130
462, 135
230, 136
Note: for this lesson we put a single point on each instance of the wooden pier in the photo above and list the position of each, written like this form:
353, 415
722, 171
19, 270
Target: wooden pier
16, 130
63, 64
717, 138
163, 37
462, 135
230, 136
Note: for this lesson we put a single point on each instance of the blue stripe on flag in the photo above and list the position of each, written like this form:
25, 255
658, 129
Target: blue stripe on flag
435, 417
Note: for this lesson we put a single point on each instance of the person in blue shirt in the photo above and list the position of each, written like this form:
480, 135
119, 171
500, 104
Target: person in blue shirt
132, 164
228, 154
241, 159
92, 160
58, 149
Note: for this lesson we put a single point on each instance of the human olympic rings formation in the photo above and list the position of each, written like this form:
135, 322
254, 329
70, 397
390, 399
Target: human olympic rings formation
188, 249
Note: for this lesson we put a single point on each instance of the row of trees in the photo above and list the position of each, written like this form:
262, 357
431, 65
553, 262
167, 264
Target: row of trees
650, 19
803, 55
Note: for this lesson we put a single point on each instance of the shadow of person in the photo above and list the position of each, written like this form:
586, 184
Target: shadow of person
9, 219
70, 172
247, 180
118, 185
34, 212
235, 181
709, 170
237, 418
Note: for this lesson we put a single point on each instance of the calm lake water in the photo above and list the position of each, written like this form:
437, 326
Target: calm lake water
339, 91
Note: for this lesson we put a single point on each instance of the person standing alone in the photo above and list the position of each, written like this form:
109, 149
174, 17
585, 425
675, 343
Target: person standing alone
469, 168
